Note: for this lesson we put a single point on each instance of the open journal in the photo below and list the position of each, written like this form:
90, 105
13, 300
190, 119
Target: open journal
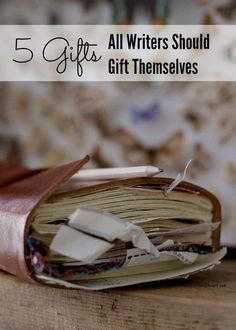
96, 234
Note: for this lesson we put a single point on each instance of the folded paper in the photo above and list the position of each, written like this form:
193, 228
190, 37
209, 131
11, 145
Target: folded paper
89, 233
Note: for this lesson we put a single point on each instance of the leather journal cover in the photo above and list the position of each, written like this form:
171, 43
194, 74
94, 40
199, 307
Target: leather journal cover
26, 196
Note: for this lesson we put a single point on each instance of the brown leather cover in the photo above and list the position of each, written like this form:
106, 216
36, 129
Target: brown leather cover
23, 190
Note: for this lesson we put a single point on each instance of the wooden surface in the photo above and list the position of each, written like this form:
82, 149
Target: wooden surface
204, 301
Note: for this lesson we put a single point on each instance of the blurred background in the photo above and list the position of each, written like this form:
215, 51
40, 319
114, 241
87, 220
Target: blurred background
121, 124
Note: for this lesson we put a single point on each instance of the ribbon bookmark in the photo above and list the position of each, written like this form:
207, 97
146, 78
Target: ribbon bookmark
89, 233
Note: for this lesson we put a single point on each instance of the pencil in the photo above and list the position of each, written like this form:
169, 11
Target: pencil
117, 173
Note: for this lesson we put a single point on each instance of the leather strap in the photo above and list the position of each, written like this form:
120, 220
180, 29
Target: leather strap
21, 192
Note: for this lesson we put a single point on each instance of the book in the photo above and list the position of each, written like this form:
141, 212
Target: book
60, 230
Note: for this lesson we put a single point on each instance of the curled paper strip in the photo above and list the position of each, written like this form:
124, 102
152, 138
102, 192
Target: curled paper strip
90, 233
178, 180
